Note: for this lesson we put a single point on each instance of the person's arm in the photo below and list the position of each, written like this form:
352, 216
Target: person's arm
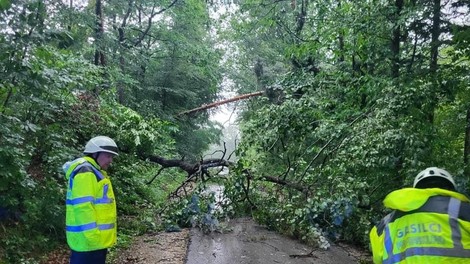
376, 243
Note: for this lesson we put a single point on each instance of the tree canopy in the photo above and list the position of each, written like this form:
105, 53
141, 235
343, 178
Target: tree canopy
375, 92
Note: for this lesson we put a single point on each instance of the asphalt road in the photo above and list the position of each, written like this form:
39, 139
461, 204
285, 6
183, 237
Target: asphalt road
250, 243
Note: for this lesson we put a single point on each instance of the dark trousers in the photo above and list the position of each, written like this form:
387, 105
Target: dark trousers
89, 257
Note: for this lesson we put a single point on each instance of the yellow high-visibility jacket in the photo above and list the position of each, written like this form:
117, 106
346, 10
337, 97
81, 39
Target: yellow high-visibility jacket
90, 207
426, 226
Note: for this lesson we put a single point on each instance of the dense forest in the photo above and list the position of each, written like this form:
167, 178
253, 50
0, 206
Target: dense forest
356, 98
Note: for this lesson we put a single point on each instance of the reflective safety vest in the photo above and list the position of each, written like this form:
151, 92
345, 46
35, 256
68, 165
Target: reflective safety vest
427, 226
90, 207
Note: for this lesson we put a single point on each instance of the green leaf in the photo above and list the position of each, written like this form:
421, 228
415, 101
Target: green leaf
5, 4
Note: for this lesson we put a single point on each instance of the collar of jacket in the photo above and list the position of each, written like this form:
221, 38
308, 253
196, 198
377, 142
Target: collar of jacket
408, 199
92, 162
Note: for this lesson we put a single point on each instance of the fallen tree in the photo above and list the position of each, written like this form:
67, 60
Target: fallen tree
218, 103
198, 170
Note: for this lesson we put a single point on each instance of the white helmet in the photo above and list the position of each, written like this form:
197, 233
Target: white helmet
433, 172
101, 144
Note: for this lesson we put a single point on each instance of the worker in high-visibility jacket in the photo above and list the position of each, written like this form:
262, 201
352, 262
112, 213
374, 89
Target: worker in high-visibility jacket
430, 223
90, 205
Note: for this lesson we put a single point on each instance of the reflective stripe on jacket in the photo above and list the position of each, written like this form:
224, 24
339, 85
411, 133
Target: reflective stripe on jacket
90, 207
426, 226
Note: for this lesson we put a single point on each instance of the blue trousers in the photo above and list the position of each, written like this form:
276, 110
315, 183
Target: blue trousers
89, 257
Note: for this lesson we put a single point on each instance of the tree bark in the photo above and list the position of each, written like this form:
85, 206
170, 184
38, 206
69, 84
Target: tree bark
122, 47
341, 40
395, 45
212, 105
466, 151
279, 181
99, 33
435, 32
191, 168
301, 16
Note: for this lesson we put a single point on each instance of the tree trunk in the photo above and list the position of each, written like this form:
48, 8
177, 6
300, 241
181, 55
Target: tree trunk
120, 85
301, 16
395, 45
212, 105
435, 32
341, 40
99, 33
466, 151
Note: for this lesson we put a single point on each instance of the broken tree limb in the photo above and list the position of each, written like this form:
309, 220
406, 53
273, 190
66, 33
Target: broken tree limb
279, 181
190, 168
215, 104
193, 168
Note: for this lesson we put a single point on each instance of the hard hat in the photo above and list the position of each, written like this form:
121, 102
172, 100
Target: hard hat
101, 144
433, 172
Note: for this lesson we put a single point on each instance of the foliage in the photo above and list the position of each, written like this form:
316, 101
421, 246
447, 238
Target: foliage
46, 208
53, 98
35, 135
175, 67
344, 123
200, 209
36, 143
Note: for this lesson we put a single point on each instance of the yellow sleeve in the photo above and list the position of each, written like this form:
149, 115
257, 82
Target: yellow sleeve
377, 245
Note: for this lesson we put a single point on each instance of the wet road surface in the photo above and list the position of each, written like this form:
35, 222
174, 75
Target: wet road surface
250, 243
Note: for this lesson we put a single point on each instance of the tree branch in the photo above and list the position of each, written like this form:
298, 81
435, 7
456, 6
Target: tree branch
215, 104
279, 181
